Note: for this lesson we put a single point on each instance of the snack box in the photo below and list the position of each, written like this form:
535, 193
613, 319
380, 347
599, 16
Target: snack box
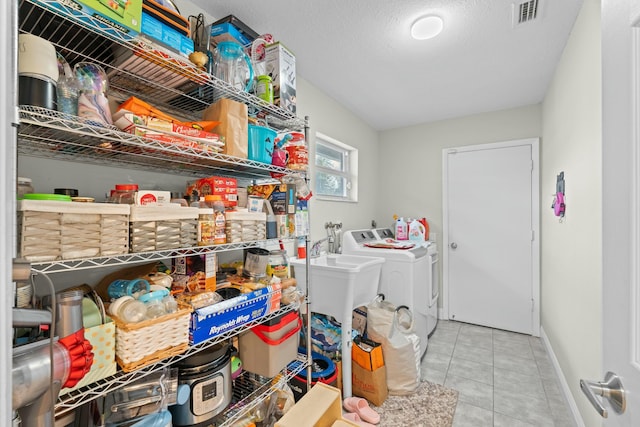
167, 132
121, 14
95, 13
198, 272
209, 322
225, 31
152, 198
224, 188
166, 35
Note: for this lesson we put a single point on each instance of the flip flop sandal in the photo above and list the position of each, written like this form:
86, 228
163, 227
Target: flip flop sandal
361, 407
354, 418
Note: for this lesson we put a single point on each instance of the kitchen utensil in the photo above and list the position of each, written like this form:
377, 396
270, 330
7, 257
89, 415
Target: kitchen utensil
232, 65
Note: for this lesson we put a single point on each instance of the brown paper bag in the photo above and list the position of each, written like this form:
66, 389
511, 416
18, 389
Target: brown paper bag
372, 385
233, 125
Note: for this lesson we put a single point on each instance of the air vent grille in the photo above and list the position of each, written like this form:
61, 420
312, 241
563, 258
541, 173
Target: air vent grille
527, 11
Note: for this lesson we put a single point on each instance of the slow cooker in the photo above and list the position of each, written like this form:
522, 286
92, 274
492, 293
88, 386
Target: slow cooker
208, 375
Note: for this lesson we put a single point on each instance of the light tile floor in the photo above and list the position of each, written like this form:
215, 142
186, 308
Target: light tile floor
504, 379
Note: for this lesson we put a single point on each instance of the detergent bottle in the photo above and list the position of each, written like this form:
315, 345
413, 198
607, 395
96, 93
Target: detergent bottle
416, 231
402, 230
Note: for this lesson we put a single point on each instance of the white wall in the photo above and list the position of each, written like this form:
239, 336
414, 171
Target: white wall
412, 160
330, 118
572, 250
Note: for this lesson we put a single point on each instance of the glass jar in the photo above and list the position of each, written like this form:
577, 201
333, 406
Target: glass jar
278, 265
24, 187
124, 194
206, 227
298, 152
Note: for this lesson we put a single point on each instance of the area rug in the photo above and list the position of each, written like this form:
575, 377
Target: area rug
433, 405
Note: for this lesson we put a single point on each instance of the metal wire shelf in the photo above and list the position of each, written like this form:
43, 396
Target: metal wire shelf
138, 66
76, 398
51, 134
49, 267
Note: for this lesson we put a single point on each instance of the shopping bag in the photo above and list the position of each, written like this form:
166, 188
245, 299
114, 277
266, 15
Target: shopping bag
372, 385
233, 126
393, 327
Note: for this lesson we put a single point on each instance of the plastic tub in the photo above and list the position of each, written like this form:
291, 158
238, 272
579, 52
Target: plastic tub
266, 349
261, 143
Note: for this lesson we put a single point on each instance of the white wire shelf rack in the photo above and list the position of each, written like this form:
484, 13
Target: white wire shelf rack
51, 134
136, 66
262, 386
49, 267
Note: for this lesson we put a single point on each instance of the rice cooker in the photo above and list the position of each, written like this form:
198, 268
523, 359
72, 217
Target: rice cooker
208, 375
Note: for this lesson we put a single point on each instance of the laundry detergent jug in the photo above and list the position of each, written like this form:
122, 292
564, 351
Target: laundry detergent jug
232, 65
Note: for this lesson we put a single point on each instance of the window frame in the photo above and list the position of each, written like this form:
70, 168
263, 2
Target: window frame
349, 172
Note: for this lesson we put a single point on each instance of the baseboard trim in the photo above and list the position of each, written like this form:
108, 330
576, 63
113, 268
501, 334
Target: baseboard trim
566, 391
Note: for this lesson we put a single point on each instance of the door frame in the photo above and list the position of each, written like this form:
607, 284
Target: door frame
534, 143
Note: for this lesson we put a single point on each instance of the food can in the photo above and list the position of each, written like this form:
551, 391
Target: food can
278, 265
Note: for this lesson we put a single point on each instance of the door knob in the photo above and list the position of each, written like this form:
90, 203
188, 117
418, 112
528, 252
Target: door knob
611, 389
454, 245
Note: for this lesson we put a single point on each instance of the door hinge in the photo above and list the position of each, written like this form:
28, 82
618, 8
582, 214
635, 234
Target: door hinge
533, 235
531, 165
533, 305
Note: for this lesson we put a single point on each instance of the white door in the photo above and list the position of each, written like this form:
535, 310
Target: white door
490, 228
621, 214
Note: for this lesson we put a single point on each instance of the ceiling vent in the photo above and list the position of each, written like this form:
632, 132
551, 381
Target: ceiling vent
524, 12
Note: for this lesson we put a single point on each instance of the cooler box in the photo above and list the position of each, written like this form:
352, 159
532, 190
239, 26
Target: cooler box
266, 349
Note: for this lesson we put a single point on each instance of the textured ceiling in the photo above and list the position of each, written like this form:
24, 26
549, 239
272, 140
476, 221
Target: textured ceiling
360, 53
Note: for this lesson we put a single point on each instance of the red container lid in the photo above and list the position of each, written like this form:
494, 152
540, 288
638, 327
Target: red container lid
126, 187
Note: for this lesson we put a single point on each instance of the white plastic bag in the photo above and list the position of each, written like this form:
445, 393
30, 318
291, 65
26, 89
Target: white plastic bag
393, 328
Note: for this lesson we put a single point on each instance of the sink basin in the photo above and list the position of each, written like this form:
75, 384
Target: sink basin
337, 278
340, 283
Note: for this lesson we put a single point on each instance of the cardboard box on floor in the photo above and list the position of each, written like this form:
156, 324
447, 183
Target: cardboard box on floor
320, 407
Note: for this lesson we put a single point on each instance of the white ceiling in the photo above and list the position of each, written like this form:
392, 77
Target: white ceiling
360, 53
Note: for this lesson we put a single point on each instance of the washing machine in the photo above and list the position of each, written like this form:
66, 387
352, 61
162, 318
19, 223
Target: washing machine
409, 274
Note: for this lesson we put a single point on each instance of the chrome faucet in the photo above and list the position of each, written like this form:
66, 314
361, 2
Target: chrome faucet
316, 246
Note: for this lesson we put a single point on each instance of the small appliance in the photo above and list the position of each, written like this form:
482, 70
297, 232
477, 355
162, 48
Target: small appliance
208, 374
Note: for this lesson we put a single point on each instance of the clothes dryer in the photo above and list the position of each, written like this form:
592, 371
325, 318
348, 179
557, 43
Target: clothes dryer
407, 276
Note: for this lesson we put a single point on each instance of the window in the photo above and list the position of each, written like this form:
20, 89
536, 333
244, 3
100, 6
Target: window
336, 166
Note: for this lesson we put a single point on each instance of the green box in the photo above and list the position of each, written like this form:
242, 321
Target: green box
127, 13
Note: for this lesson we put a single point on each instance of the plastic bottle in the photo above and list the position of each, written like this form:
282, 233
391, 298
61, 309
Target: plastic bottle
402, 231
416, 231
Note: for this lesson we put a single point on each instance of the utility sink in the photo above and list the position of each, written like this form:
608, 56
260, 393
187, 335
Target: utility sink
339, 283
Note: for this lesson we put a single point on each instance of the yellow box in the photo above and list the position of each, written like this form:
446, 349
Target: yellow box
367, 354
320, 407
103, 340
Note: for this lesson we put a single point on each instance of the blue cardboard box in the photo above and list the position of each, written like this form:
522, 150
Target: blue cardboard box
166, 35
226, 32
209, 322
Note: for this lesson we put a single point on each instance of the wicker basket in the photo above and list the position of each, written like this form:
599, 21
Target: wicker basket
143, 343
156, 228
51, 230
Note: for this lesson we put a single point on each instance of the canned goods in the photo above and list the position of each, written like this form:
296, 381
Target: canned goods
264, 88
